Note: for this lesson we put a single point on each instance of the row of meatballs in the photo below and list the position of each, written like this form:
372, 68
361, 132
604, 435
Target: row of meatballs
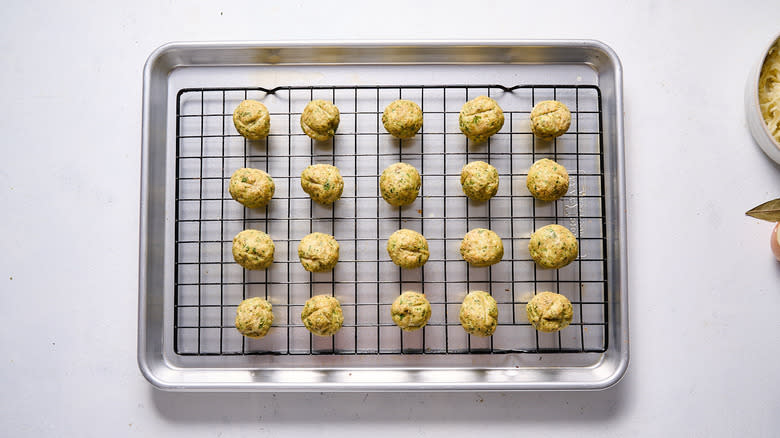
399, 183
322, 314
479, 119
551, 247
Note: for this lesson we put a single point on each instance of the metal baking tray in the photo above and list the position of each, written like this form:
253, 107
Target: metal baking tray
189, 286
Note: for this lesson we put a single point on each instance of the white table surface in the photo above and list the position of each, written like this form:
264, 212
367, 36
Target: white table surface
704, 289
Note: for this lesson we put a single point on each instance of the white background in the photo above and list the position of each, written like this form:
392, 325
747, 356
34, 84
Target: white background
704, 289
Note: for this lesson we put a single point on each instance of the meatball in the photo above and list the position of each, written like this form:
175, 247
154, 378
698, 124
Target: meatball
408, 249
253, 188
553, 246
411, 311
320, 119
323, 183
479, 180
322, 315
549, 312
253, 249
254, 317
550, 119
319, 252
399, 184
402, 118
482, 247
480, 118
479, 313
547, 180
252, 119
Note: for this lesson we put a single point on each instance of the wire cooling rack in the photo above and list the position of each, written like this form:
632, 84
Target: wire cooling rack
209, 285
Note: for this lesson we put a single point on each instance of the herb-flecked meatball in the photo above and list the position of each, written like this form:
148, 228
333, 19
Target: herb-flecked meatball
319, 252
411, 311
252, 120
553, 246
550, 119
479, 180
479, 314
399, 184
253, 249
402, 118
482, 247
320, 119
323, 183
547, 180
254, 317
480, 118
408, 249
253, 188
322, 315
549, 312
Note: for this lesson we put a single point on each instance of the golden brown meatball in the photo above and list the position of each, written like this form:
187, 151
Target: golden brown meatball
253, 249
547, 180
319, 252
479, 180
479, 313
323, 183
253, 188
408, 249
411, 311
402, 118
252, 119
480, 118
254, 317
399, 184
320, 119
550, 119
482, 247
322, 315
553, 246
549, 312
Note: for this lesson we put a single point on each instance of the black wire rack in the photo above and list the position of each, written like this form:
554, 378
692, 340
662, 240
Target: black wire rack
209, 285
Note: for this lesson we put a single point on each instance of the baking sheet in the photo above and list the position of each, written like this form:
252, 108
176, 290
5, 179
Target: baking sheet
210, 331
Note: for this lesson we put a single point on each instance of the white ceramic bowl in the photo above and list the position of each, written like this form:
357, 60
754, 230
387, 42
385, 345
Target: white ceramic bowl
755, 120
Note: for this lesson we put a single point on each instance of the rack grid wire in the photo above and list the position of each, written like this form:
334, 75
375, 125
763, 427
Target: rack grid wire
209, 285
